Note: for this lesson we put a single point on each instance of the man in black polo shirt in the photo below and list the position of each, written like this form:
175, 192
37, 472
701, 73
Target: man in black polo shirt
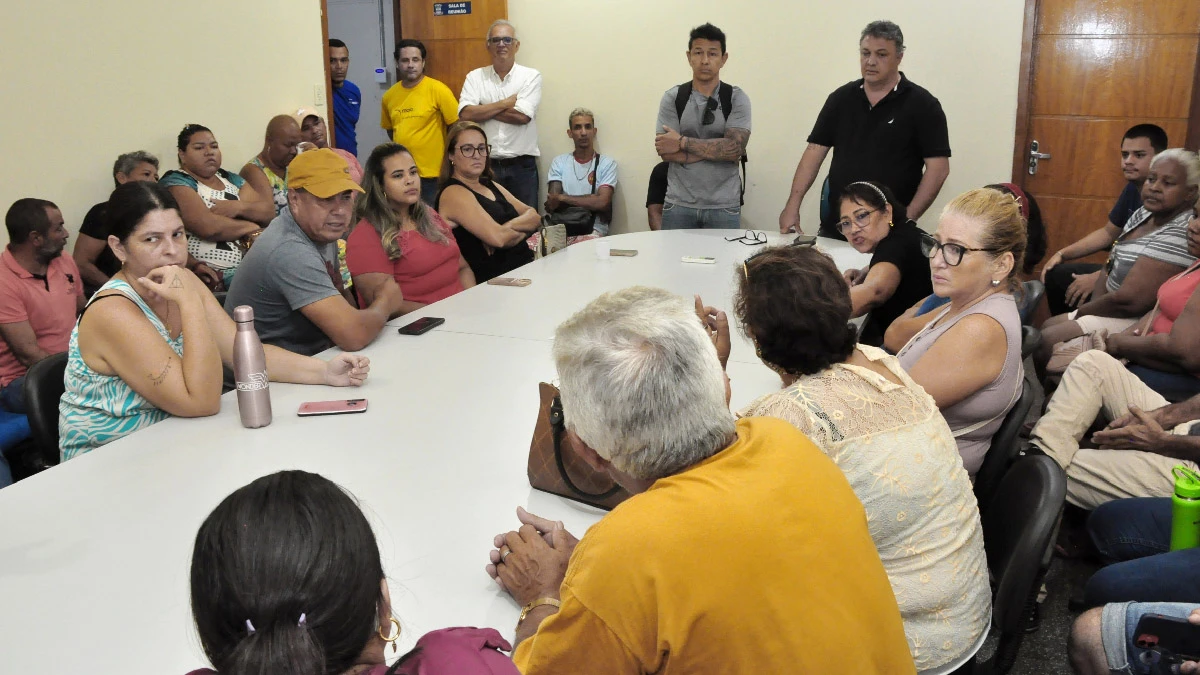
882, 128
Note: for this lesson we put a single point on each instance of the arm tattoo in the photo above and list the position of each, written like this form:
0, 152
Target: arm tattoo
727, 149
162, 376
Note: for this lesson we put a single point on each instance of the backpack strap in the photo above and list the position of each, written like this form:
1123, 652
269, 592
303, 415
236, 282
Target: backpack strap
681, 99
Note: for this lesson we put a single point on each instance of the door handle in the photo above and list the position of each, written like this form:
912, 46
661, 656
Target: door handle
1035, 157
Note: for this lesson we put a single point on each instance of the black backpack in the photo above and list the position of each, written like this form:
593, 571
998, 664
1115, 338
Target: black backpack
725, 97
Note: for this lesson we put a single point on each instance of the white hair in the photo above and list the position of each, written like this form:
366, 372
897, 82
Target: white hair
500, 22
1186, 158
641, 383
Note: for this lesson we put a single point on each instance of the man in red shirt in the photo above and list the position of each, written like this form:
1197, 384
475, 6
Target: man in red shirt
41, 294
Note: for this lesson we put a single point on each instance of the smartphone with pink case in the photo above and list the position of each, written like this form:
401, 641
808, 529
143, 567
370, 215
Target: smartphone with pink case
342, 407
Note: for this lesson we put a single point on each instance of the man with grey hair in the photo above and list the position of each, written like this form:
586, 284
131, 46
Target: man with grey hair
739, 538
503, 98
582, 182
882, 128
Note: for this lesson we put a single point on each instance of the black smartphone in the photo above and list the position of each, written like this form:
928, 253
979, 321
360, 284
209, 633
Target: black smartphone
423, 325
805, 240
1168, 636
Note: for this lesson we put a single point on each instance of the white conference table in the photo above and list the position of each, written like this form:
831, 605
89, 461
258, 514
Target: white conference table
95, 553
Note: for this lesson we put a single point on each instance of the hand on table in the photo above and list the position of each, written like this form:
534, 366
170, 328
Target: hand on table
716, 324
531, 562
347, 370
789, 220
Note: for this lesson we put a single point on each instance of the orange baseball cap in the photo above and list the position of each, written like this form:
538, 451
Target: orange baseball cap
321, 172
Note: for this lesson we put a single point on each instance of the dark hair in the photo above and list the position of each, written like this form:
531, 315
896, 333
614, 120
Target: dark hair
185, 136
288, 545
795, 305
409, 43
375, 208
129, 204
884, 30
875, 195
334, 42
452, 135
1150, 132
707, 32
27, 216
1035, 230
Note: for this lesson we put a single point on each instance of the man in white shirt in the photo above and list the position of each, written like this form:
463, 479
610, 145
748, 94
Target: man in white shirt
503, 98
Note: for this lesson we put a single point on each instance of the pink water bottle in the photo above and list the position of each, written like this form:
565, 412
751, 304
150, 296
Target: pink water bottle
250, 371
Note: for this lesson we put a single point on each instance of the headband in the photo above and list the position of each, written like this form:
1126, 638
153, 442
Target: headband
873, 187
1019, 195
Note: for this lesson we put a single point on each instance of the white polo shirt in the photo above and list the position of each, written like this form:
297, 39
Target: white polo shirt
484, 86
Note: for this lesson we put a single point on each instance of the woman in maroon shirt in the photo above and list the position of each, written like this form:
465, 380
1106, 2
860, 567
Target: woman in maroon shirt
400, 236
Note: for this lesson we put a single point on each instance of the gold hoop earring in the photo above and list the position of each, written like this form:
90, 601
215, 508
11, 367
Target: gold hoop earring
392, 639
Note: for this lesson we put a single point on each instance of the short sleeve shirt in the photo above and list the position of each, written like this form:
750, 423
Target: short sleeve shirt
656, 192
95, 225
48, 303
708, 184
1167, 244
347, 104
1130, 200
426, 271
887, 143
577, 179
902, 248
283, 272
418, 118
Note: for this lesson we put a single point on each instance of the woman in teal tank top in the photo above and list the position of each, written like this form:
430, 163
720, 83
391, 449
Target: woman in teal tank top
151, 342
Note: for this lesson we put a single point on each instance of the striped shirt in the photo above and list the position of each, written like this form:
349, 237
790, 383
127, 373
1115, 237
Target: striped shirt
1167, 243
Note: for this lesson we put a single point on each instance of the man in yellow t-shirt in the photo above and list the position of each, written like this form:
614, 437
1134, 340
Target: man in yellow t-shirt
416, 112
742, 550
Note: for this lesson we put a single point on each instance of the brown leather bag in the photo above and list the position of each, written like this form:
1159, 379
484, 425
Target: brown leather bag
557, 469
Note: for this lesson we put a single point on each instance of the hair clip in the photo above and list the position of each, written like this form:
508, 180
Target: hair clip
873, 187
249, 626
303, 620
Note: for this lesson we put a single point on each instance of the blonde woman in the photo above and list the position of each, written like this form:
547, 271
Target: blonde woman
401, 237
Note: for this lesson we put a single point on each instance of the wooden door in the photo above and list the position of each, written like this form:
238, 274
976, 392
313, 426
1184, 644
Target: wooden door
1090, 69
454, 42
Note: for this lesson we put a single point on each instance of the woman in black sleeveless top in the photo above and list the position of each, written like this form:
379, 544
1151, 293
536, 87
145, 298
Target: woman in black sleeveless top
489, 224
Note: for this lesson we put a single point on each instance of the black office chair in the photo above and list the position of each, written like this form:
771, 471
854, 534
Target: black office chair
1030, 339
1006, 445
1018, 529
1034, 291
43, 387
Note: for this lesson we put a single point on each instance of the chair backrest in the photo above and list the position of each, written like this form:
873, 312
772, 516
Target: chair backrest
826, 209
1004, 448
1030, 339
1018, 529
43, 387
1030, 299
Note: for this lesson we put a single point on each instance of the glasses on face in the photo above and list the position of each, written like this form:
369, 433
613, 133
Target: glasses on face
475, 150
800, 241
846, 226
750, 238
710, 109
504, 40
951, 253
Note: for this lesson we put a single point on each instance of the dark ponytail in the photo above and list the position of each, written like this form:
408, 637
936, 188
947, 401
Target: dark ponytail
286, 579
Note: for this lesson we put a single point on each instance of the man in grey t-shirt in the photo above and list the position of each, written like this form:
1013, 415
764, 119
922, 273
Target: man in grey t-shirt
705, 143
291, 276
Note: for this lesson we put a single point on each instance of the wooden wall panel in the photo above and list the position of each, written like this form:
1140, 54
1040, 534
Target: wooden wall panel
417, 19
1093, 76
451, 60
1117, 17
1068, 219
1086, 154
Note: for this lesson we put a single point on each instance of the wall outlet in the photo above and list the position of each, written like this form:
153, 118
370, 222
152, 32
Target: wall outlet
319, 94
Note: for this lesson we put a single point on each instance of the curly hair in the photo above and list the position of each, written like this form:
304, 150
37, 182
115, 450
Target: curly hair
795, 305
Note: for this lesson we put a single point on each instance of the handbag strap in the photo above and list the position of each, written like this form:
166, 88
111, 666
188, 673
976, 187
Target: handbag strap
557, 426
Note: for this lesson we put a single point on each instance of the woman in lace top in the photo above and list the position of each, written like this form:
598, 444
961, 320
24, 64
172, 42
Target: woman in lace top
884, 432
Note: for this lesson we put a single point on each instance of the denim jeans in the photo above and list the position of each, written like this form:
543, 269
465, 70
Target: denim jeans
1133, 537
12, 396
1118, 634
519, 175
1174, 387
676, 217
429, 187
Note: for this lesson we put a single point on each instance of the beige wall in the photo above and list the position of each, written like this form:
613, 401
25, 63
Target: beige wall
84, 82
618, 56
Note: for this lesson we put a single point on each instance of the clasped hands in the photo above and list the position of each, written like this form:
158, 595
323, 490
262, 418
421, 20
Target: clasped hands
530, 563
1137, 430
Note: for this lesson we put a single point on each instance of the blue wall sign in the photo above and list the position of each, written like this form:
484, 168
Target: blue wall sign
451, 8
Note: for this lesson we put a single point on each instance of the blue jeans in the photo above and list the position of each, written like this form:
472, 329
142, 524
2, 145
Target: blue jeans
1118, 634
12, 396
1174, 387
676, 217
1133, 537
429, 187
519, 175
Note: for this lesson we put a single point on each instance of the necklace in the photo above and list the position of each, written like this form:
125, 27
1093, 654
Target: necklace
586, 168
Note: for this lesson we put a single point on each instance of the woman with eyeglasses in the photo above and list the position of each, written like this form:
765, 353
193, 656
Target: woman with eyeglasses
969, 356
898, 275
1151, 248
489, 224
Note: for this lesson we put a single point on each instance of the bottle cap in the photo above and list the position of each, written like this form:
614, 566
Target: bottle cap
1187, 482
245, 314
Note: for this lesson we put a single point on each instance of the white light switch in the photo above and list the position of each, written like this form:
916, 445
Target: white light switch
318, 94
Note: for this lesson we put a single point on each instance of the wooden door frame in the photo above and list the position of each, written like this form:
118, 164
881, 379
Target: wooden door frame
330, 134
1025, 85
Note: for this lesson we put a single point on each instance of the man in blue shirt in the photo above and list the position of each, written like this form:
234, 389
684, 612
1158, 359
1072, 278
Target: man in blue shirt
346, 98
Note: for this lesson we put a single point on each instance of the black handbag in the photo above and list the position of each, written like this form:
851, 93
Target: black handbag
578, 220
